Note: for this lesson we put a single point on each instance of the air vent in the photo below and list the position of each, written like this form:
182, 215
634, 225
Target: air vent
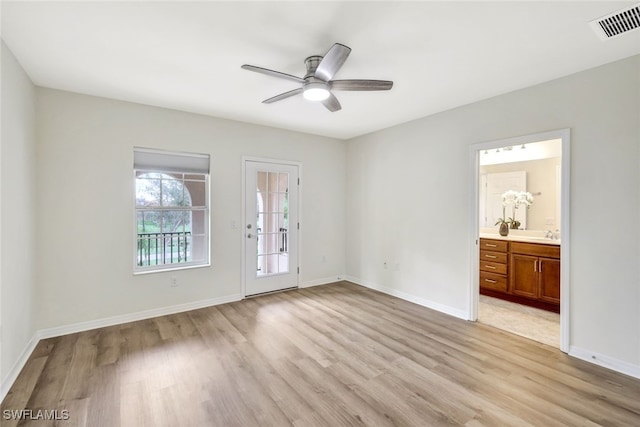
617, 23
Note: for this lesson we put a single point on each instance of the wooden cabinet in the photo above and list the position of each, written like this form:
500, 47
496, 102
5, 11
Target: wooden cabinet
550, 280
535, 271
493, 265
527, 273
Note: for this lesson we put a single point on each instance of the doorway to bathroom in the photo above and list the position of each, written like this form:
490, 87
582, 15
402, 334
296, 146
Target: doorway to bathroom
520, 245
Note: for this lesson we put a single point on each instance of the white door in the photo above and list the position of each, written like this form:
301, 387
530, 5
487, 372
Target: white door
494, 185
271, 227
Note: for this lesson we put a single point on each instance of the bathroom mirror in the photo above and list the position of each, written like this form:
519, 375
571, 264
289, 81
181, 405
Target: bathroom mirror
534, 168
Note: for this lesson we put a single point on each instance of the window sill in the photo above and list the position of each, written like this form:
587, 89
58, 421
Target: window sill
166, 269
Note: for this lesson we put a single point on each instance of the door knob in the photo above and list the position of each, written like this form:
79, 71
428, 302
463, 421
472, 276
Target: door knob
249, 236
248, 226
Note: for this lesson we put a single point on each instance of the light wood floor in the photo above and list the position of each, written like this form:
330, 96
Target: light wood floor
328, 356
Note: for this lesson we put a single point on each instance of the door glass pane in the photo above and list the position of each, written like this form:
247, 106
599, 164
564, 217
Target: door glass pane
262, 245
261, 271
272, 223
283, 202
283, 263
273, 182
283, 181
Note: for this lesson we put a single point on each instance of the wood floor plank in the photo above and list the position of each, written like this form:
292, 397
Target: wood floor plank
333, 355
288, 400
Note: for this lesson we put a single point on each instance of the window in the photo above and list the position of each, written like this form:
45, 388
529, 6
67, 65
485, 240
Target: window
172, 210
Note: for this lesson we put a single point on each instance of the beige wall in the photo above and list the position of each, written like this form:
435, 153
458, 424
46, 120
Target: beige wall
409, 201
17, 213
541, 178
85, 147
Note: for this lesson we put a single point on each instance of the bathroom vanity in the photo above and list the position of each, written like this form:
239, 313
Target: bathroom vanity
522, 270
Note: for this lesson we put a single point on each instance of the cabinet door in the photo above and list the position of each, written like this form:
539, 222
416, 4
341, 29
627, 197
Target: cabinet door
549, 280
524, 275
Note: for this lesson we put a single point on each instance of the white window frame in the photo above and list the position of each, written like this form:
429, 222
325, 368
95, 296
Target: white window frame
168, 170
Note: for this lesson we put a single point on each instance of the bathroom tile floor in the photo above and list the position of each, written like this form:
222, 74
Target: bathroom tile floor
538, 325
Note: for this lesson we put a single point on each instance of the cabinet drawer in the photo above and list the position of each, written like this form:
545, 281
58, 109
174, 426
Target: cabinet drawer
535, 249
493, 267
493, 281
493, 245
499, 257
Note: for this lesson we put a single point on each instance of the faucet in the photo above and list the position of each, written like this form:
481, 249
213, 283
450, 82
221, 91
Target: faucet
552, 235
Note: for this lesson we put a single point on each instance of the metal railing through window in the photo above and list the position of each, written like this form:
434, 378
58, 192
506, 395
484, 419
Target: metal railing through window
163, 248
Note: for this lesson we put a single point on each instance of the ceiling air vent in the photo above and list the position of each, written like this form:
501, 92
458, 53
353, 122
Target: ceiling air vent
617, 23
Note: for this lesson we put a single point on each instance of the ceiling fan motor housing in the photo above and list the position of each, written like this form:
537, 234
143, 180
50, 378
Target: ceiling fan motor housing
312, 63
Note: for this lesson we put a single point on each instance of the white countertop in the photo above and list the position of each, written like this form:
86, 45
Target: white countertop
520, 238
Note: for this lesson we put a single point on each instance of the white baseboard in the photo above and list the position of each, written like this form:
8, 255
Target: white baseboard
461, 314
11, 377
605, 361
317, 282
132, 317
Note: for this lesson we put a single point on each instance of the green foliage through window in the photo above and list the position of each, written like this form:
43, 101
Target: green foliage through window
170, 217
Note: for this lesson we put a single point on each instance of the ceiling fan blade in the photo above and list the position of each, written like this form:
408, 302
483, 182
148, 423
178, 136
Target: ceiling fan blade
282, 96
332, 61
361, 84
272, 73
332, 103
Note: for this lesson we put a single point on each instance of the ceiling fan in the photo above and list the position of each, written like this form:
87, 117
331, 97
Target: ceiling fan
317, 84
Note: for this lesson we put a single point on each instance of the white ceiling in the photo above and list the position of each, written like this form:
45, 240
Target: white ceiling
187, 56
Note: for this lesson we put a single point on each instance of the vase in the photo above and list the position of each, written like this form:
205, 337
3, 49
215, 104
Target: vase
515, 225
504, 229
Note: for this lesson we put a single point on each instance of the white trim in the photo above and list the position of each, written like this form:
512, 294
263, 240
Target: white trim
565, 238
132, 317
474, 279
169, 267
15, 370
565, 288
318, 282
461, 314
270, 160
605, 361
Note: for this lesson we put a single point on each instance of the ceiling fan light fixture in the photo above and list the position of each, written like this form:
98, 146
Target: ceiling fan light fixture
316, 91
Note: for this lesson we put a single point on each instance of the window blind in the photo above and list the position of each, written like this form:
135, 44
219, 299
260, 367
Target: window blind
159, 160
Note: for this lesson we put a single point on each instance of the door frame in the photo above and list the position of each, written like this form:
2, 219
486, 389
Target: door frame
565, 186
246, 159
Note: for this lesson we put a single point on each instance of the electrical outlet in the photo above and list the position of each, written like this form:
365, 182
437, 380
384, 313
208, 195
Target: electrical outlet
174, 282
